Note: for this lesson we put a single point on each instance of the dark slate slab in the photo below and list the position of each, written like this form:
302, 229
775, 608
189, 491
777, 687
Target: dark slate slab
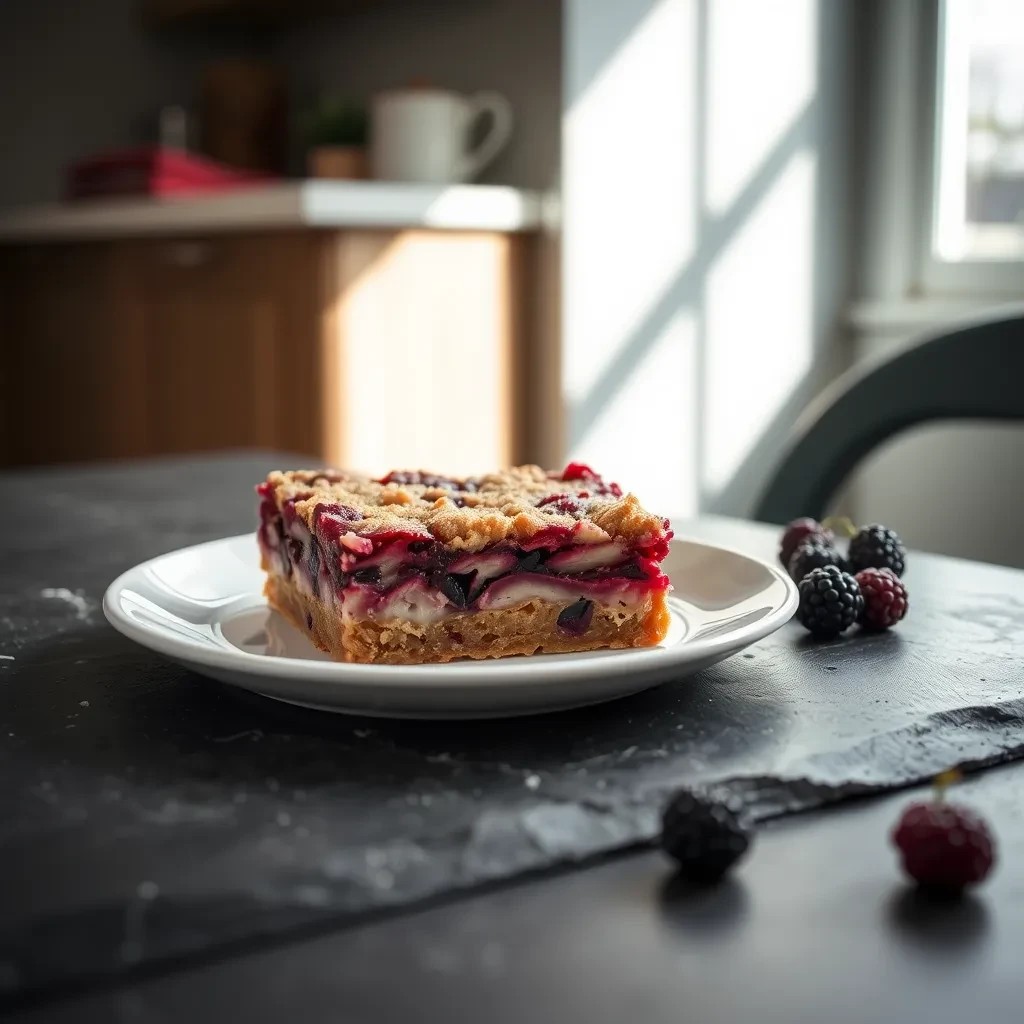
816, 926
148, 813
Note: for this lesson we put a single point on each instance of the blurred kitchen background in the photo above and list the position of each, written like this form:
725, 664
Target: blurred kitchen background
461, 233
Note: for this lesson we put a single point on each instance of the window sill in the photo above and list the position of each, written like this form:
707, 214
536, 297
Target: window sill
909, 316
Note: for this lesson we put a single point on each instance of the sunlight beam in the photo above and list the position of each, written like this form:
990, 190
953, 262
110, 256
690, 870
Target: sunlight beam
629, 217
645, 434
759, 302
762, 74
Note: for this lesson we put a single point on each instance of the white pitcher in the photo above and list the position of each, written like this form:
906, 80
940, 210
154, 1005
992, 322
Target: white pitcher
424, 134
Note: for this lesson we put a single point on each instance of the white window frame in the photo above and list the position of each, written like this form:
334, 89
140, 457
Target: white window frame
899, 279
939, 276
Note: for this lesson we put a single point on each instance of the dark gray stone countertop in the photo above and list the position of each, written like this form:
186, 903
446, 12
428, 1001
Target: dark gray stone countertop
150, 818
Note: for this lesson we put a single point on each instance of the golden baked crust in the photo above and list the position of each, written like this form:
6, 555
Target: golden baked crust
530, 628
473, 514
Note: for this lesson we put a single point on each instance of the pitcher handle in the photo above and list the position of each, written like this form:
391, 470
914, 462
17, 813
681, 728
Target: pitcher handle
495, 140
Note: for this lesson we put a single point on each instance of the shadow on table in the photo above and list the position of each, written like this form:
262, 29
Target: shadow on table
108, 707
938, 923
705, 911
871, 647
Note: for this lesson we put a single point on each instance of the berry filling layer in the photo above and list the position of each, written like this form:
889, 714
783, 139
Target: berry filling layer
406, 574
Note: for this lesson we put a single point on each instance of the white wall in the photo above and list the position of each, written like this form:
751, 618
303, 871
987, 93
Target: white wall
706, 253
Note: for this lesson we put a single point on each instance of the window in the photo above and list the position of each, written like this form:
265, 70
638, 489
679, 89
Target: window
976, 240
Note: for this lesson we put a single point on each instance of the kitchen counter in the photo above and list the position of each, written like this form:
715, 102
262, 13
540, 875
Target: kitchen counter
301, 204
163, 326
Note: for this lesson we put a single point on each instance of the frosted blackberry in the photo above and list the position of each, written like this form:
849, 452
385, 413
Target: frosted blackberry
877, 547
830, 601
703, 837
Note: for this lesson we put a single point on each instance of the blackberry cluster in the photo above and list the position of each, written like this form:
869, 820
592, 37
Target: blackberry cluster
862, 587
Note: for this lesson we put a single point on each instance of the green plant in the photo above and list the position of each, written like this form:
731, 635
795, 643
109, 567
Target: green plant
336, 123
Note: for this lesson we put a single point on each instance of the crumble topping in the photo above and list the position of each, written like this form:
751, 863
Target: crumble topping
521, 504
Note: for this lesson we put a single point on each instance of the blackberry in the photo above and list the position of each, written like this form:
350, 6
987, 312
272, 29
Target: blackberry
417, 478
885, 598
454, 586
530, 562
575, 619
796, 533
814, 554
877, 547
944, 846
703, 837
830, 601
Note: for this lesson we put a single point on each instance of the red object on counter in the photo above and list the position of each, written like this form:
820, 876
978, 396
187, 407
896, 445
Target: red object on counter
154, 171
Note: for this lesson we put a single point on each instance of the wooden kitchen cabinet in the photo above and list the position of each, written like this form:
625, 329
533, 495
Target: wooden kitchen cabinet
363, 348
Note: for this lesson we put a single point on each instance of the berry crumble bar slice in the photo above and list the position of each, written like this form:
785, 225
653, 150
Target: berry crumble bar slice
415, 568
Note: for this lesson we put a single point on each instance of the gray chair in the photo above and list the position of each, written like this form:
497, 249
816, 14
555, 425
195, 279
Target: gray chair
969, 372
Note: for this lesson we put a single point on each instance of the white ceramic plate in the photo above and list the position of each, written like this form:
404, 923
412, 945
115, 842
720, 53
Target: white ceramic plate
203, 607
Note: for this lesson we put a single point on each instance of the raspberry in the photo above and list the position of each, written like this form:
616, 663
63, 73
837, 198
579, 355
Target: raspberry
830, 601
814, 553
798, 531
885, 598
705, 838
581, 471
944, 846
877, 547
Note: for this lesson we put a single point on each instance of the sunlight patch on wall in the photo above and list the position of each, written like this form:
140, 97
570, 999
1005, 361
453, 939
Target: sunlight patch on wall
762, 74
446, 345
645, 435
629, 210
758, 322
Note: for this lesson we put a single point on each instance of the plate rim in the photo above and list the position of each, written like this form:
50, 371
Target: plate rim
500, 670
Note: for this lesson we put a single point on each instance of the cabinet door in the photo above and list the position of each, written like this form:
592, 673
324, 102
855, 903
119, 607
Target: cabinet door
135, 348
61, 362
428, 367
366, 349
230, 328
